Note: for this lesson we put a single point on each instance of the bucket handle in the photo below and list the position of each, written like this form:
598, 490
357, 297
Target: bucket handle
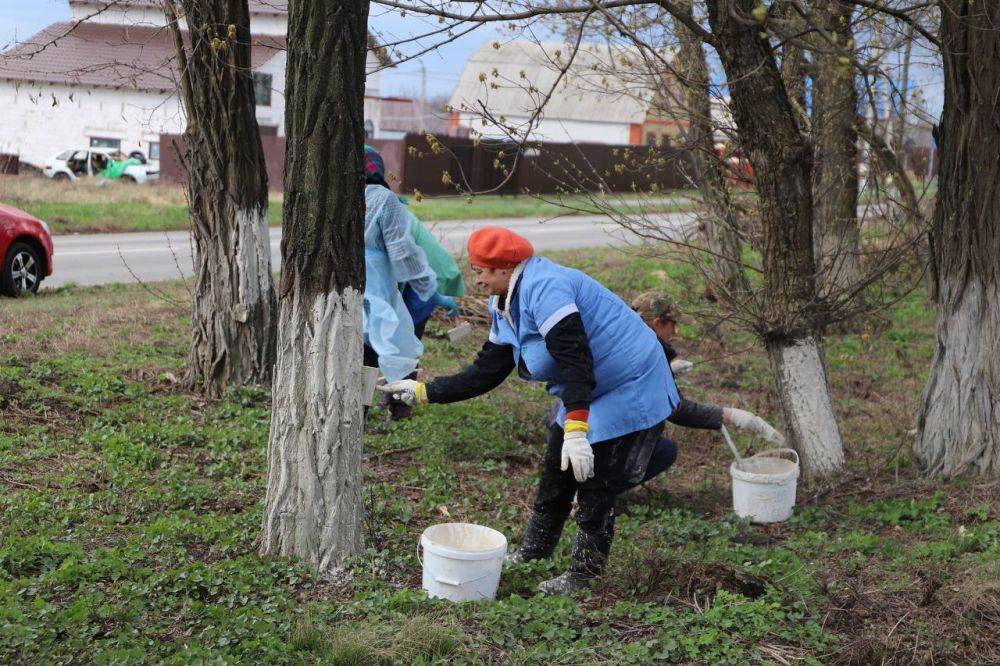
448, 581
458, 583
784, 450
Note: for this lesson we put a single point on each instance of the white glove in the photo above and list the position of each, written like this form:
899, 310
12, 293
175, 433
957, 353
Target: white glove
576, 450
408, 391
680, 366
750, 422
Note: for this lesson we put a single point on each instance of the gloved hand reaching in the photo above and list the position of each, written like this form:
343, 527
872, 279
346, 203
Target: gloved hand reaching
408, 391
576, 451
679, 366
447, 302
752, 423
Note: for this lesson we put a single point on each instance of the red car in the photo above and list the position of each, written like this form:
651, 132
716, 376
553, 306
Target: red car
26, 249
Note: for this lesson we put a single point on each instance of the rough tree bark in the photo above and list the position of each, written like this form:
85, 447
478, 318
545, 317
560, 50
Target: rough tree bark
313, 509
959, 422
835, 139
233, 317
782, 165
721, 228
793, 61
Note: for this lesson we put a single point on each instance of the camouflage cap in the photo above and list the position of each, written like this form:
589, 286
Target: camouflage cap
653, 304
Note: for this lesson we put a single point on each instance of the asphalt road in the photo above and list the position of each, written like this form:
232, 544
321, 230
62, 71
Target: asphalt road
150, 257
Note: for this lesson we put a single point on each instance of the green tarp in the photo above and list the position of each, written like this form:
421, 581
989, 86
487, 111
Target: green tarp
116, 168
449, 276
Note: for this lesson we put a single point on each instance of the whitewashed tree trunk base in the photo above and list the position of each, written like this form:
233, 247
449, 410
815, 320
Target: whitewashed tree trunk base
959, 425
232, 340
314, 504
800, 379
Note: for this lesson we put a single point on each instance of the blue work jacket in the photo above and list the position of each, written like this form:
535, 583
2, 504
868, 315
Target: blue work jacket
631, 373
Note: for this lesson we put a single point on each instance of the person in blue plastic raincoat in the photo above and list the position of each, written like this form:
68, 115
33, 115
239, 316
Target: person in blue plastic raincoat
447, 272
392, 258
399, 252
558, 325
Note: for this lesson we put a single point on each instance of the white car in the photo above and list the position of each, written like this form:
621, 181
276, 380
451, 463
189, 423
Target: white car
82, 162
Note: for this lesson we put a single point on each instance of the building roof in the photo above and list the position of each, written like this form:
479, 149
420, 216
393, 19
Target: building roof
108, 56
273, 7
593, 89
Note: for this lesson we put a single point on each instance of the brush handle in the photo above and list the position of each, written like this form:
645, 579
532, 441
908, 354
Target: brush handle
732, 447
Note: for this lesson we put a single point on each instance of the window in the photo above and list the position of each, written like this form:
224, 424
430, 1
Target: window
64, 155
262, 88
104, 142
154, 150
369, 130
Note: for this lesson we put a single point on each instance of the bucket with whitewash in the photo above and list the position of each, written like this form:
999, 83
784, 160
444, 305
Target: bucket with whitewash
461, 561
764, 485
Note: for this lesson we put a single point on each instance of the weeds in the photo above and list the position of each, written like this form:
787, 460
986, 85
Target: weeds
129, 513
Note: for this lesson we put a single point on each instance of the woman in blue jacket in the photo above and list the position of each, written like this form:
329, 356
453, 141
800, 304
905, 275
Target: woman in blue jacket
557, 325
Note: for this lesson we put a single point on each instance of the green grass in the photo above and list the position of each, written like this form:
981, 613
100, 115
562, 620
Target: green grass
84, 207
129, 511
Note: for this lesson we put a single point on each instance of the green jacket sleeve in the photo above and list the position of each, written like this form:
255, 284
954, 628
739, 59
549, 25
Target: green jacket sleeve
449, 276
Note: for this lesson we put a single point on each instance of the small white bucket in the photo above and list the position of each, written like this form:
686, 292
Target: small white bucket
462, 561
764, 486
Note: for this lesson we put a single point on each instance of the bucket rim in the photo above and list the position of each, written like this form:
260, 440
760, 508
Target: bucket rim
458, 554
757, 477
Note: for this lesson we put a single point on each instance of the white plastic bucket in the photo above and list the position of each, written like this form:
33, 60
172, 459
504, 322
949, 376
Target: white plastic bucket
462, 561
764, 486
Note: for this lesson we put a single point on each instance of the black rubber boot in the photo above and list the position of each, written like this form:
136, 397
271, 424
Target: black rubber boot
565, 583
590, 555
541, 535
590, 552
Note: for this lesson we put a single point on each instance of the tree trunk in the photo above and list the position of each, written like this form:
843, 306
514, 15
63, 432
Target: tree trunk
800, 377
233, 317
793, 59
314, 508
721, 229
899, 128
835, 140
782, 163
959, 422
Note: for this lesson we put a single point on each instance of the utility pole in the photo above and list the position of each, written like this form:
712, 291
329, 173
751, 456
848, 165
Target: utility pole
423, 96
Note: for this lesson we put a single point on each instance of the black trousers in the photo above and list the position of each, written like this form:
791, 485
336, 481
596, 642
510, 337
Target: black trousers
619, 464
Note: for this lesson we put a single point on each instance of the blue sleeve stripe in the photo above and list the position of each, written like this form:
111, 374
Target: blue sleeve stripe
557, 317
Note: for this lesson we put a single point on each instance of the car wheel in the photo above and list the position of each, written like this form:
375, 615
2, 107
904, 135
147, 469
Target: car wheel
22, 270
128, 179
61, 176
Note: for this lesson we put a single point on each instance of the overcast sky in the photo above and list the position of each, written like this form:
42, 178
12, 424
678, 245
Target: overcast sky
19, 19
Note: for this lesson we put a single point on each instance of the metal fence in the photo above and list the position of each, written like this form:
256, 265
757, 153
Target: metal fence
446, 165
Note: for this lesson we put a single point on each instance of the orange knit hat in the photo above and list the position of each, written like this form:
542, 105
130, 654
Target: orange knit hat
496, 247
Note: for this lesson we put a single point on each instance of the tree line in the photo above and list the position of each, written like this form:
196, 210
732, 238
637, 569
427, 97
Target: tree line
797, 74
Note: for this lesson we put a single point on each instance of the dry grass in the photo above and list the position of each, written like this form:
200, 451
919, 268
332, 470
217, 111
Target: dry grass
90, 320
36, 189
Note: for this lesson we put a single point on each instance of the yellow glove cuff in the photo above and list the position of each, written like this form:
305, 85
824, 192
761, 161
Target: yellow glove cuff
575, 426
420, 393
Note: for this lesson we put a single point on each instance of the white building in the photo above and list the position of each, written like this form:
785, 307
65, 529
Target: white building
593, 102
107, 78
